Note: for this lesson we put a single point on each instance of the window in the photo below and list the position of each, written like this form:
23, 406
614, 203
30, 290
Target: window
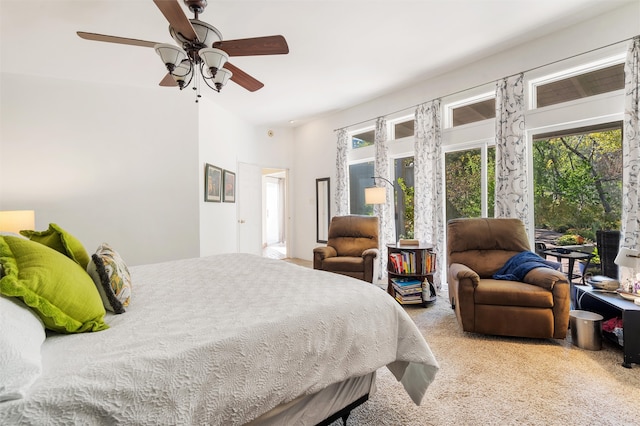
363, 139
474, 112
467, 172
470, 110
605, 75
578, 180
403, 129
360, 178
404, 183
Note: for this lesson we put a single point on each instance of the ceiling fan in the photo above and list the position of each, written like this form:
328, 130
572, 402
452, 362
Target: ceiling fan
201, 49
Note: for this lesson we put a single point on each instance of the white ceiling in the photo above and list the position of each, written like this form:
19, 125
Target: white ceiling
342, 53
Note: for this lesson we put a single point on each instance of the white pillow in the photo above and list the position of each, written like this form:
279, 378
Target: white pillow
21, 336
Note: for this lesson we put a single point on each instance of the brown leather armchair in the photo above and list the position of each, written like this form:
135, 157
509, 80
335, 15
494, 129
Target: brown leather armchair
352, 247
537, 307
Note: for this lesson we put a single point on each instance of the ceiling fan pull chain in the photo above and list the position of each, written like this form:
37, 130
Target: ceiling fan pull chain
196, 83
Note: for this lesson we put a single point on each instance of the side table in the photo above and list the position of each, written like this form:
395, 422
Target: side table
572, 256
610, 305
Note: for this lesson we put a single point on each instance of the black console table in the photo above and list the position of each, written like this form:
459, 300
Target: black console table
610, 305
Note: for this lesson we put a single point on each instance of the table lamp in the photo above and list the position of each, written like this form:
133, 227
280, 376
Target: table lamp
627, 257
14, 221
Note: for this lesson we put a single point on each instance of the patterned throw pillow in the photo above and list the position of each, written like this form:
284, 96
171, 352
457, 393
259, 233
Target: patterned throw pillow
112, 278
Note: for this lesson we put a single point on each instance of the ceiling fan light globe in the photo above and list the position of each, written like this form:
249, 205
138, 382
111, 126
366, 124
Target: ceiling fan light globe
182, 73
170, 55
213, 58
222, 77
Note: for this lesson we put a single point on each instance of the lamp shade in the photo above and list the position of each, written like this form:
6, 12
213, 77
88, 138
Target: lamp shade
627, 257
171, 55
183, 72
375, 195
213, 58
15, 221
222, 76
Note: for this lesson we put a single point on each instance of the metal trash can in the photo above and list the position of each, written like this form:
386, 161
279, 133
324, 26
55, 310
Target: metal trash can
586, 329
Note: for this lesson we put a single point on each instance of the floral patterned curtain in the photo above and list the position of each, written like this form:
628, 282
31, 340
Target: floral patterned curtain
429, 226
512, 190
630, 223
342, 174
385, 212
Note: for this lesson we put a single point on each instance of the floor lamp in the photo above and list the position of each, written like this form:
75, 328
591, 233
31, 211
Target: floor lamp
378, 195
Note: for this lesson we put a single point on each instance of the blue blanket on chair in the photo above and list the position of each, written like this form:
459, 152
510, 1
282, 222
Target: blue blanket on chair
519, 265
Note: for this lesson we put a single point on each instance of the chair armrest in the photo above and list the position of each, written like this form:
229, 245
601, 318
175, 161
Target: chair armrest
321, 253
458, 272
372, 253
462, 286
546, 278
557, 283
325, 252
370, 265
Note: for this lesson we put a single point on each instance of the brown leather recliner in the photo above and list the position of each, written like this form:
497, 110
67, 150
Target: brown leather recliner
477, 248
352, 247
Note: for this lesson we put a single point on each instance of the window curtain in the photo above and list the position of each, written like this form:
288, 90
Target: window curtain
630, 223
342, 174
512, 190
429, 226
385, 212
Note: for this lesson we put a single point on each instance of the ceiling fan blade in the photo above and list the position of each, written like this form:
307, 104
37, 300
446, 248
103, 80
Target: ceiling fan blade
177, 19
114, 39
269, 45
243, 79
168, 81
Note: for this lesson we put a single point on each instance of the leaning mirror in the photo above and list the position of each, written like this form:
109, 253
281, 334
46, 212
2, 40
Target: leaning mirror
323, 210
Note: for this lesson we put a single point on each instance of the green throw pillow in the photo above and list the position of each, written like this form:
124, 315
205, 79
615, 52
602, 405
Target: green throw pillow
54, 286
60, 240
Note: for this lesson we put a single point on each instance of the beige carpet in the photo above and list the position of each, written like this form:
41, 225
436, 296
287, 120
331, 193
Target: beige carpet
485, 380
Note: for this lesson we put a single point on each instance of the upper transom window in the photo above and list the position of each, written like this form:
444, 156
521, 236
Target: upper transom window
581, 86
362, 139
470, 110
592, 79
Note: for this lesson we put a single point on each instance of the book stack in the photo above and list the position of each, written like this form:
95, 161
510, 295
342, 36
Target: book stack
408, 291
428, 262
403, 262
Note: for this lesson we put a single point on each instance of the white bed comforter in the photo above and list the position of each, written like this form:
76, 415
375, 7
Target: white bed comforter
219, 341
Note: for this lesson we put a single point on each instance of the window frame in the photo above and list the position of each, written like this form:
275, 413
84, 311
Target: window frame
534, 82
470, 100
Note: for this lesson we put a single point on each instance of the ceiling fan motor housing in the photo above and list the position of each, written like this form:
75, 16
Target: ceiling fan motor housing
196, 6
207, 35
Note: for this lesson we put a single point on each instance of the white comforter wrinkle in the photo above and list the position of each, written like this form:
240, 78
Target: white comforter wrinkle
220, 341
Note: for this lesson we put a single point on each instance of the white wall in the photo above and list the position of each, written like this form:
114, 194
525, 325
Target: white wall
125, 165
225, 140
108, 163
316, 141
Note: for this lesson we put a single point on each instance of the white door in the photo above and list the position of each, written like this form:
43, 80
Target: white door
249, 208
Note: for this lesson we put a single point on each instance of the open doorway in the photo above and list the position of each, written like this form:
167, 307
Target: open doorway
274, 208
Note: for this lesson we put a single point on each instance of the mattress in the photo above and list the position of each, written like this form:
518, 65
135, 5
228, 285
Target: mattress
223, 340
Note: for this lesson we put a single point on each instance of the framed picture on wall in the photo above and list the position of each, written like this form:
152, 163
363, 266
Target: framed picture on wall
229, 187
212, 183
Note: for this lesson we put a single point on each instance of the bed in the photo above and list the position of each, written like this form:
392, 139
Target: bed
229, 339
